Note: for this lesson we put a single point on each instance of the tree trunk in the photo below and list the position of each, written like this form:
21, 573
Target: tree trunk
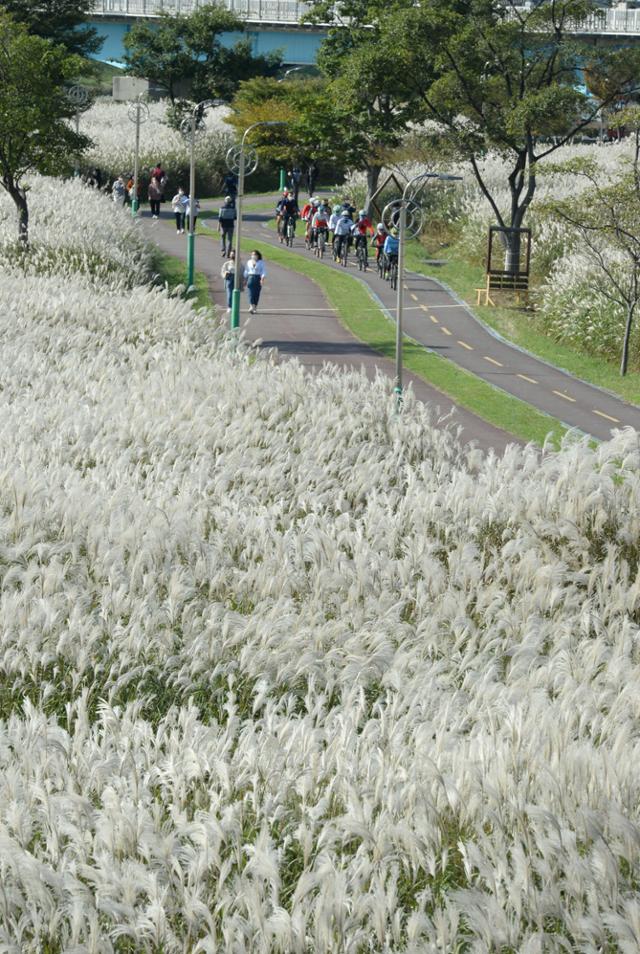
19, 197
373, 177
625, 342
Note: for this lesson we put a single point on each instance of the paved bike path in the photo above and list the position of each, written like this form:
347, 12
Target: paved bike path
295, 318
437, 319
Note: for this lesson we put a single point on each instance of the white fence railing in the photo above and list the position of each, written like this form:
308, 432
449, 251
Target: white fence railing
273, 11
614, 22
619, 22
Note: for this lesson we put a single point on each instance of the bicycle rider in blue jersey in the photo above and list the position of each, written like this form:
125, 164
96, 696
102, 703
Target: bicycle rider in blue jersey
390, 248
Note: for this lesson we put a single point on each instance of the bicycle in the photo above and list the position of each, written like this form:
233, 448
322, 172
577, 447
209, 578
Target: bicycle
344, 251
380, 263
290, 231
321, 243
393, 272
361, 254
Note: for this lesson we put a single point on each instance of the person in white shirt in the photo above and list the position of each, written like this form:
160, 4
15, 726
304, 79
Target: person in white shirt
179, 205
187, 212
255, 274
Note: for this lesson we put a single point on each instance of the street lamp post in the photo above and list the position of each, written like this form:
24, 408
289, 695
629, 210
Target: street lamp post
79, 96
138, 114
400, 210
191, 125
237, 278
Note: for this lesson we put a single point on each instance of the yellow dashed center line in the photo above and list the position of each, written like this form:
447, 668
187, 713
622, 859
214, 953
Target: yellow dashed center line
493, 361
415, 297
433, 319
445, 330
525, 378
465, 345
424, 307
565, 396
607, 416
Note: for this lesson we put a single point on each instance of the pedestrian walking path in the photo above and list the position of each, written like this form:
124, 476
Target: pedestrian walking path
295, 318
435, 318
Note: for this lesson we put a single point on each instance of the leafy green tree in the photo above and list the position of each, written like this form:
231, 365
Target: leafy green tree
61, 21
35, 133
605, 218
368, 84
185, 56
499, 77
318, 126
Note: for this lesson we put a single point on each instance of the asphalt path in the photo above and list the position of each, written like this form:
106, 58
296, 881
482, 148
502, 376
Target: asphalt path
295, 319
437, 319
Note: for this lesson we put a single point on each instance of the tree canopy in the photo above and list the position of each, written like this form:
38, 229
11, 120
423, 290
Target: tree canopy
61, 21
35, 133
494, 75
184, 54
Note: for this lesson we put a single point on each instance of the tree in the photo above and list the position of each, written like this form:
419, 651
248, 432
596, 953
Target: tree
605, 217
184, 55
367, 79
61, 21
35, 134
500, 77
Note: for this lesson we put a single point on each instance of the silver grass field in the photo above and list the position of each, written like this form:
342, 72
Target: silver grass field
282, 670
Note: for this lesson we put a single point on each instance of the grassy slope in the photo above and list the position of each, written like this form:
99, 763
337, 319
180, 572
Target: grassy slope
172, 271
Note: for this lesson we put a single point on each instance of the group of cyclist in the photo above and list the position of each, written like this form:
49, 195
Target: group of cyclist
339, 228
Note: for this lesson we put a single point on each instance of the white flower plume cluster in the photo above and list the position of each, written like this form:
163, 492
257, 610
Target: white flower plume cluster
107, 123
73, 231
283, 671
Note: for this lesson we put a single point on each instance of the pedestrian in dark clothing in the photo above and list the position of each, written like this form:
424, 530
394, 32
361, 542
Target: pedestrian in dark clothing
227, 216
296, 176
312, 177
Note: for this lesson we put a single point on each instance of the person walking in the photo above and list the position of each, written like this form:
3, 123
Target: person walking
296, 176
118, 191
255, 274
154, 194
187, 212
228, 275
179, 208
312, 177
227, 216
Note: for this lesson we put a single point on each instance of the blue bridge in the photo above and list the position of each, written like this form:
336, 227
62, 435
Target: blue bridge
276, 25
271, 25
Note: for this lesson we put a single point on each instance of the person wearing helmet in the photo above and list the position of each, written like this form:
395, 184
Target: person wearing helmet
286, 208
379, 240
360, 229
333, 221
342, 234
227, 216
390, 248
319, 223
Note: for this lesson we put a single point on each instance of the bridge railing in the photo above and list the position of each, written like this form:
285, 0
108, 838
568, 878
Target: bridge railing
275, 11
606, 22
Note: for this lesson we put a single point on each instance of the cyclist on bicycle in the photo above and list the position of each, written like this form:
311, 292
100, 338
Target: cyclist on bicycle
311, 208
319, 223
342, 234
379, 240
333, 221
360, 228
288, 209
390, 248
283, 197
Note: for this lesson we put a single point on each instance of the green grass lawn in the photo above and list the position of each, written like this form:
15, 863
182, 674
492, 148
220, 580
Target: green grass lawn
172, 272
517, 324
